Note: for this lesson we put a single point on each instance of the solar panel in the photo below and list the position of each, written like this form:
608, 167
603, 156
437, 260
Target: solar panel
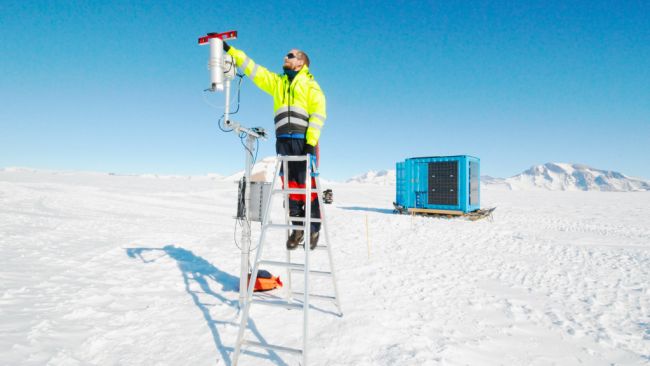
443, 183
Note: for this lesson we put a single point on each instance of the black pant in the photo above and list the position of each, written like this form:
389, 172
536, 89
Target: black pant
297, 176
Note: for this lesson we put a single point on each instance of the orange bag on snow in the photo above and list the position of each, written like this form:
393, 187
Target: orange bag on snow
265, 281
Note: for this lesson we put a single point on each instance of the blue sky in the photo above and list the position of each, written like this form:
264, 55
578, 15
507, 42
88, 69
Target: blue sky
118, 86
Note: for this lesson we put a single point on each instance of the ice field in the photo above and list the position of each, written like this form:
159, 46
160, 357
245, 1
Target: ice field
99, 269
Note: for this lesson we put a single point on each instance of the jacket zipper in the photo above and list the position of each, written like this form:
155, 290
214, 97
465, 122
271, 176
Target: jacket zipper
289, 105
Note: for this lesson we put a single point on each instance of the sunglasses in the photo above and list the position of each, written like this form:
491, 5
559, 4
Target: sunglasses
290, 55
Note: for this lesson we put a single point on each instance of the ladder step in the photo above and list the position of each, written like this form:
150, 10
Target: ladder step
322, 297
285, 226
279, 303
271, 346
283, 264
293, 158
317, 273
295, 191
292, 218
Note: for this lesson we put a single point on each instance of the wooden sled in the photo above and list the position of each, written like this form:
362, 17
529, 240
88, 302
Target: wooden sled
472, 216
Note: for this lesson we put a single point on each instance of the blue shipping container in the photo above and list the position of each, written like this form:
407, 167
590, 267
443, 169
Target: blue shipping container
439, 182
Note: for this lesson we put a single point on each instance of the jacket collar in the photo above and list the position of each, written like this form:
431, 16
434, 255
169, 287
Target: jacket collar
302, 73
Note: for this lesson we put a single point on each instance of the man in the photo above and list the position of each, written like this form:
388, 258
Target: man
299, 106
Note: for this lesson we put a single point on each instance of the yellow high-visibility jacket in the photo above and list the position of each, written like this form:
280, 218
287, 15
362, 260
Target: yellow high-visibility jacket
299, 105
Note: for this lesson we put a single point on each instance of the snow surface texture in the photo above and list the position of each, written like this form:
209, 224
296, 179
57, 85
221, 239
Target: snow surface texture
101, 269
550, 176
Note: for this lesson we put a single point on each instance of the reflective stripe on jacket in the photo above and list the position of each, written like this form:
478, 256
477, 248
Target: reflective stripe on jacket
299, 105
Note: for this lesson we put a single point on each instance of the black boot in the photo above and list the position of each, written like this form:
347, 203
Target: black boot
313, 240
294, 239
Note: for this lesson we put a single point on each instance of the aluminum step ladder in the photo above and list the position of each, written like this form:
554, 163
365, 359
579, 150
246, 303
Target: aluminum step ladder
290, 266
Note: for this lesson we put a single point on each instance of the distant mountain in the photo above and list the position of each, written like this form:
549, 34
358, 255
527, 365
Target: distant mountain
491, 180
382, 177
494, 183
571, 177
549, 176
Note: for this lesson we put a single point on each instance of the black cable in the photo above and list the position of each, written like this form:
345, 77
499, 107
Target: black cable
257, 145
241, 209
235, 235
241, 78
230, 68
219, 123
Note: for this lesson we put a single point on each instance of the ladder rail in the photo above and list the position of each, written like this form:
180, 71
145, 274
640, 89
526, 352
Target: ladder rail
307, 222
285, 167
329, 248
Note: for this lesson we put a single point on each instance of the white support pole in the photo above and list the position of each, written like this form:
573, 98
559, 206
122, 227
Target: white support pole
226, 108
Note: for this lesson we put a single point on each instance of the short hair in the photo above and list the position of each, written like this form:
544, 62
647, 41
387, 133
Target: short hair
303, 56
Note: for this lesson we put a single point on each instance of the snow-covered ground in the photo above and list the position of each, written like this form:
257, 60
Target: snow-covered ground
100, 269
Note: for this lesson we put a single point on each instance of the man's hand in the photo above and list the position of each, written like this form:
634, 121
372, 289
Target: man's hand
311, 150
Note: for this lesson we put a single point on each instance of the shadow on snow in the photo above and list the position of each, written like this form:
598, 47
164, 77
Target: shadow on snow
195, 269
